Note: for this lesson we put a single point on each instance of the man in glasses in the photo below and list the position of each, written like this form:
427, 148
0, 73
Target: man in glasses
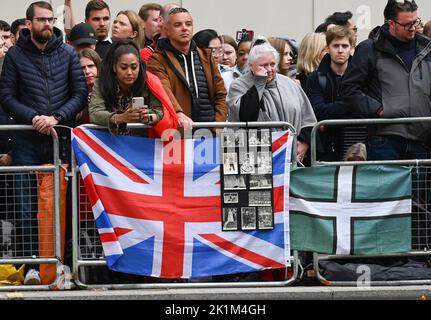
390, 77
344, 19
42, 84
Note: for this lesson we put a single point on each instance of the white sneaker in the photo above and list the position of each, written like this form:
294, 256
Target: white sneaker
32, 277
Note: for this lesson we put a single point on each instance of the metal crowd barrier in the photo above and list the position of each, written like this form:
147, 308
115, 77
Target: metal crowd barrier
12, 249
421, 216
87, 249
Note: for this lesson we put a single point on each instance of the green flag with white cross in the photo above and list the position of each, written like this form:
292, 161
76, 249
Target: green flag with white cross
351, 210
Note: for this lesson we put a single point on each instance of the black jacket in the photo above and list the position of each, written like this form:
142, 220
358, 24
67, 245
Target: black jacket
323, 91
35, 82
377, 80
6, 137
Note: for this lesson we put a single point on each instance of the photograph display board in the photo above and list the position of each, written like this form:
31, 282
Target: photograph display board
246, 180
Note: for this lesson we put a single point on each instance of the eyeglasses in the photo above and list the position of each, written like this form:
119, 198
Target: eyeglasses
217, 52
409, 25
50, 20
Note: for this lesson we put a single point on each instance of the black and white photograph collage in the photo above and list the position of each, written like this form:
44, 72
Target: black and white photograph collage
246, 176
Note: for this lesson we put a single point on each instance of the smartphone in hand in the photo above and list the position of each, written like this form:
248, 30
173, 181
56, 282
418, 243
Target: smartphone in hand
137, 102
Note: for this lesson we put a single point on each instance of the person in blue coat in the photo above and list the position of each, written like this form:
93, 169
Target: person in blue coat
42, 84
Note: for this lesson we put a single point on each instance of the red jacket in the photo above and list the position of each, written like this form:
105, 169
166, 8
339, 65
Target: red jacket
146, 53
170, 119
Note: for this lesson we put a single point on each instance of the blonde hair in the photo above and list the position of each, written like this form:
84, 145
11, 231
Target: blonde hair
310, 52
356, 152
136, 23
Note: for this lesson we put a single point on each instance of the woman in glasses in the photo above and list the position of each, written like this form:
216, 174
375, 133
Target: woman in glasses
262, 94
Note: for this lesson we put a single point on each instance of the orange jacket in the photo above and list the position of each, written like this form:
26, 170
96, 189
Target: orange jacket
170, 119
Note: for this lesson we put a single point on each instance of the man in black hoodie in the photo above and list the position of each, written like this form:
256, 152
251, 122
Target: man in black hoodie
42, 84
189, 74
323, 90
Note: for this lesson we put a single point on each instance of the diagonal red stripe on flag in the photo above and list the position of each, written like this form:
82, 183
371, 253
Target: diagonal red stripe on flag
277, 144
108, 157
122, 231
108, 237
242, 252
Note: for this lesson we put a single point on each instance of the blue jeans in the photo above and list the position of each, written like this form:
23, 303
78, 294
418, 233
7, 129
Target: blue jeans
30, 149
395, 148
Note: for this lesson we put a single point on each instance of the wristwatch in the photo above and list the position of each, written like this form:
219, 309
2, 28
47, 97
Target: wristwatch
57, 117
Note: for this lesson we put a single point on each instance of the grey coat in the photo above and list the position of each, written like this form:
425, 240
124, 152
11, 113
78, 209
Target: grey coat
282, 99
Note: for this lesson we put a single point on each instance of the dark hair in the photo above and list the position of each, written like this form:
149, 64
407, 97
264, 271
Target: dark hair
144, 11
4, 26
95, 5
203, 37
178, 10
244, 40
92, 55
339, 18
393, 8
16, 24
108, 80
322, 28
29, 15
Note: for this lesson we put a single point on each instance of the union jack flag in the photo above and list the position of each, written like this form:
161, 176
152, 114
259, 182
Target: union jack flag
162, 218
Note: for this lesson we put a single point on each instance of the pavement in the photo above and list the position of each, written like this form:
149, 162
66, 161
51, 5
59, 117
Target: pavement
253, 293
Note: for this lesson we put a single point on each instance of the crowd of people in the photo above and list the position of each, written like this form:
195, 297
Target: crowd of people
93, 72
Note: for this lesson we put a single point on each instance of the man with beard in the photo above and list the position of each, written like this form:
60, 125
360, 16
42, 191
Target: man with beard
189, 74
390, 77
98, 15
42, 84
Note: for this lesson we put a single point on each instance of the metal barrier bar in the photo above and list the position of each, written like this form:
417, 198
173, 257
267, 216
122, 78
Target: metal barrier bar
353, 122
421, 235
79, 262
55, 169
417, 164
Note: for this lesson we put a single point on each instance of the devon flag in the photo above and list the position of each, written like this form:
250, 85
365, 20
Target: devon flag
361, 210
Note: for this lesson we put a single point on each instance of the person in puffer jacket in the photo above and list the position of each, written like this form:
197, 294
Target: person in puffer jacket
189, 74
42, 84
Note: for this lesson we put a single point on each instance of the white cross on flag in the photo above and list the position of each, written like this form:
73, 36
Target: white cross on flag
351, 210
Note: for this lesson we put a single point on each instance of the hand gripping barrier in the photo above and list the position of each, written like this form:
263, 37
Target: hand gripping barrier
48, 228
421, 215
87, 250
